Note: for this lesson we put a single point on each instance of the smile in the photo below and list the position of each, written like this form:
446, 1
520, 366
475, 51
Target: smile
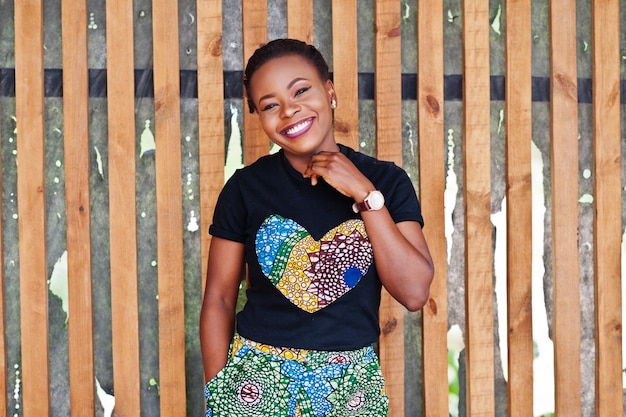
298, 129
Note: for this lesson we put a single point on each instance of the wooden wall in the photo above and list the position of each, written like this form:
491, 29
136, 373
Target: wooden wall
122, 237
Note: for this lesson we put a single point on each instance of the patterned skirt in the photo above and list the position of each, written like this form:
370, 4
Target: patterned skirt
267, 381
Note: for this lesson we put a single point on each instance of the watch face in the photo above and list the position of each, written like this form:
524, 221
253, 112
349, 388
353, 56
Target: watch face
376, 200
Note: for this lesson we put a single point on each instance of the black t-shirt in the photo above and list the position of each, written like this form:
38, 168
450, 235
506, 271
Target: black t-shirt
312, 276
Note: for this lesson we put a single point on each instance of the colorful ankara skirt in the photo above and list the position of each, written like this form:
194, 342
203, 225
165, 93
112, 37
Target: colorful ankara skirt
267, 381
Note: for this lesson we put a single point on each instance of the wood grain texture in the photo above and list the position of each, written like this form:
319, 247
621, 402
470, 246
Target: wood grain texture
120, 182
518, 111
345, 67
477, 195
564, 165
608, 201
78, 207
388, 98
210, 117
430, 114
255, 141
388, 81
29, 98
123, 234
168, 167
300, 20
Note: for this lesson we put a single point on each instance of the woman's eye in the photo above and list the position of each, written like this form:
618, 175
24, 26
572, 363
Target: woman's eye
268, 106
301, 90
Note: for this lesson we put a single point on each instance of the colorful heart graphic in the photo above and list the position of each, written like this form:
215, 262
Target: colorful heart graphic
309, 273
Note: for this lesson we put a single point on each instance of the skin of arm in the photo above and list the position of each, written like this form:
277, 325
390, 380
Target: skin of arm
217, 316
402, 258
403, 261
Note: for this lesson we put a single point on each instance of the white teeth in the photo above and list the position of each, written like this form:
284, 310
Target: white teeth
298, 128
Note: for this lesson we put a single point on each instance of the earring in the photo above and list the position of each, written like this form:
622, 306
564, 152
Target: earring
333, 103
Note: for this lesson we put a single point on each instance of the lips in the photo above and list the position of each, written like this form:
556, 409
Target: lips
297, 129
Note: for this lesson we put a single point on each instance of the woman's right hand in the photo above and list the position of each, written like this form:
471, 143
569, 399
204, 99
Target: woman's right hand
340, 173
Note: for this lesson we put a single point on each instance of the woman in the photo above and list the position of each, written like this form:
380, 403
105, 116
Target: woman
319, 228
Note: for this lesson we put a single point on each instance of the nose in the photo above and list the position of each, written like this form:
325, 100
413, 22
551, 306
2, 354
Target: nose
289, 109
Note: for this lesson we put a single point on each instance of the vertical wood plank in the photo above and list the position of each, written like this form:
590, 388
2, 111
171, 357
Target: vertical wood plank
430, 114
564, 161
608, 206
300, 20
388, 96
477, 193
169, 209
210, 116
29, 98
346, 72
255, 141
3, 350
388, 81
78, 212
123, 233
518, 108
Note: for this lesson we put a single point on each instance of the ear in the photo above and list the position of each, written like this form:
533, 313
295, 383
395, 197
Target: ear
330, 89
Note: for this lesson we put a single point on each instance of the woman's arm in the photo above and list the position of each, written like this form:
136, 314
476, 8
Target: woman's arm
402, 258
217, 317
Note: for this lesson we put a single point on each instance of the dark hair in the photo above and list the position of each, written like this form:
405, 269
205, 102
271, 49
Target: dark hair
279, 48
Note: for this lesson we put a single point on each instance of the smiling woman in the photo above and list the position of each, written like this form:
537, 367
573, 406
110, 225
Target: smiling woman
303, 343
101, 301
295, 107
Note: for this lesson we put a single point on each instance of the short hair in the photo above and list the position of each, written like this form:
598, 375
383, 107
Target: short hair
279, 48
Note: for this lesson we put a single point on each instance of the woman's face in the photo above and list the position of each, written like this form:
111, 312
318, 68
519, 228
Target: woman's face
293, 105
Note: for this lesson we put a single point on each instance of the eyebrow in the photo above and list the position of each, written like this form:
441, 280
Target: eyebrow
291, 83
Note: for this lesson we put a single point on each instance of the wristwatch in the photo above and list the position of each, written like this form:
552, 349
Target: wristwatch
374, 201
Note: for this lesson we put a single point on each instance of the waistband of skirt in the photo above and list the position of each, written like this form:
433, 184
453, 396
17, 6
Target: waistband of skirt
300, 355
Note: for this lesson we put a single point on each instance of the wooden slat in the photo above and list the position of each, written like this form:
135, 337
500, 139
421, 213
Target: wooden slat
518, 108
76, 151
169, 209
388, 81
210, 116
121, 175
255, 141
29, 97
608, 207
3, 347
478, 240
564, 164
388, 97
123, 233
300, 20
432, 187
346, 72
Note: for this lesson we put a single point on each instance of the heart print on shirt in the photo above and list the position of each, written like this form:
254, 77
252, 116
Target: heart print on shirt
313, 273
